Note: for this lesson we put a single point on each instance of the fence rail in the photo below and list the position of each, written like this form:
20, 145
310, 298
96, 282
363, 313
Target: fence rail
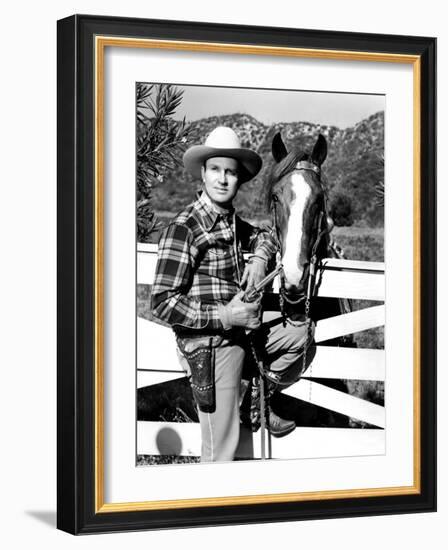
338, 279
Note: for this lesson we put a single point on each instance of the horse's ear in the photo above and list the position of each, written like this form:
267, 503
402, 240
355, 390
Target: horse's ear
279, 151
319, 153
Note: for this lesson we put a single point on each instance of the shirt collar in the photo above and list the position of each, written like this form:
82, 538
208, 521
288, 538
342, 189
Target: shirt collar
207, 213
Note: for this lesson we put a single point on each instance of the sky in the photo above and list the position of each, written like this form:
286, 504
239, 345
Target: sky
269, 106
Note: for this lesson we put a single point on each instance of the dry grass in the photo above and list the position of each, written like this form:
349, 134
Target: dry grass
361, 243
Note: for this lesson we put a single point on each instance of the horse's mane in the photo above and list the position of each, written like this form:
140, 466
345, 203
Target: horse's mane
279, 170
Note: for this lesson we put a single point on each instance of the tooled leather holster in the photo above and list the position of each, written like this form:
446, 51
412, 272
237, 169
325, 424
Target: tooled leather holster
200, 355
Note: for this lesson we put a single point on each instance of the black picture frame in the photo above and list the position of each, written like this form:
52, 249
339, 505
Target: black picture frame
78, 511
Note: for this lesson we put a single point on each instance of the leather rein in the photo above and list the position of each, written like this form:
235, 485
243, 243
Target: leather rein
322, 230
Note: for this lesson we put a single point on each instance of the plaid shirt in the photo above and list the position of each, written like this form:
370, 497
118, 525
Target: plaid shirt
199, 265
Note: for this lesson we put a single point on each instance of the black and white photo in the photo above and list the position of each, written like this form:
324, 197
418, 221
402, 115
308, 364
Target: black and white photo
265, 209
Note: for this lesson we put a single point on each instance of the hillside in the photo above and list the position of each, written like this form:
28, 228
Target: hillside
352, 168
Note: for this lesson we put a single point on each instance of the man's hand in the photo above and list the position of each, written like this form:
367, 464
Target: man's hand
254, 272
240, 314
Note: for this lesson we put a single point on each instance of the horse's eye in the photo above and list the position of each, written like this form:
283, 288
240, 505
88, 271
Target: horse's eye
274, 197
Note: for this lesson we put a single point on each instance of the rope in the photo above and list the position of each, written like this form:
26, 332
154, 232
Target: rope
263, 400
283, 297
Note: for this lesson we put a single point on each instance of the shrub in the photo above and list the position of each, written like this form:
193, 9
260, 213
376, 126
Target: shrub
161, 140
341, 209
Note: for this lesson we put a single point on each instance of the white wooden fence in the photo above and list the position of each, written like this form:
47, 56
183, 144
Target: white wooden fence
339, 278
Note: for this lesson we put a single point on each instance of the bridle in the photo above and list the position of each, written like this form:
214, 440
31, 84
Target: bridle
322, 230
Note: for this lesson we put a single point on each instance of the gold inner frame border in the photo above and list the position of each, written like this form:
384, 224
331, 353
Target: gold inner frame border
101, 42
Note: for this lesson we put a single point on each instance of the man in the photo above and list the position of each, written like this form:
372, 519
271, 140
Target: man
199, 289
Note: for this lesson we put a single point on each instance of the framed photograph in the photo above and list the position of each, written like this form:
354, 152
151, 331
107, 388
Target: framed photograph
246, 274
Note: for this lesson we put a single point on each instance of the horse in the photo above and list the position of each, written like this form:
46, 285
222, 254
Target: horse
301, 227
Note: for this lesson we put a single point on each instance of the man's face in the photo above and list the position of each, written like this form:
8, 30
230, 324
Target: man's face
220, 176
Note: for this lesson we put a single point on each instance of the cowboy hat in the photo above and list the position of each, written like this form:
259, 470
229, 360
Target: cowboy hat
223, 142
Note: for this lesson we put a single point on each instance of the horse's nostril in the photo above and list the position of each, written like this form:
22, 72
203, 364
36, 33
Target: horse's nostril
292, 289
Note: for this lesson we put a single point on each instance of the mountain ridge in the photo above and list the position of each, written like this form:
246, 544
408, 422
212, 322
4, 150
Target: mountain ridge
353, 167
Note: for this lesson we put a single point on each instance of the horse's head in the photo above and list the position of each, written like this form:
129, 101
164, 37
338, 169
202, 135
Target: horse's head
298, 203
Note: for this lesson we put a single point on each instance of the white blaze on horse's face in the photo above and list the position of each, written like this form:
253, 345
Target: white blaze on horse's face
293, 243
